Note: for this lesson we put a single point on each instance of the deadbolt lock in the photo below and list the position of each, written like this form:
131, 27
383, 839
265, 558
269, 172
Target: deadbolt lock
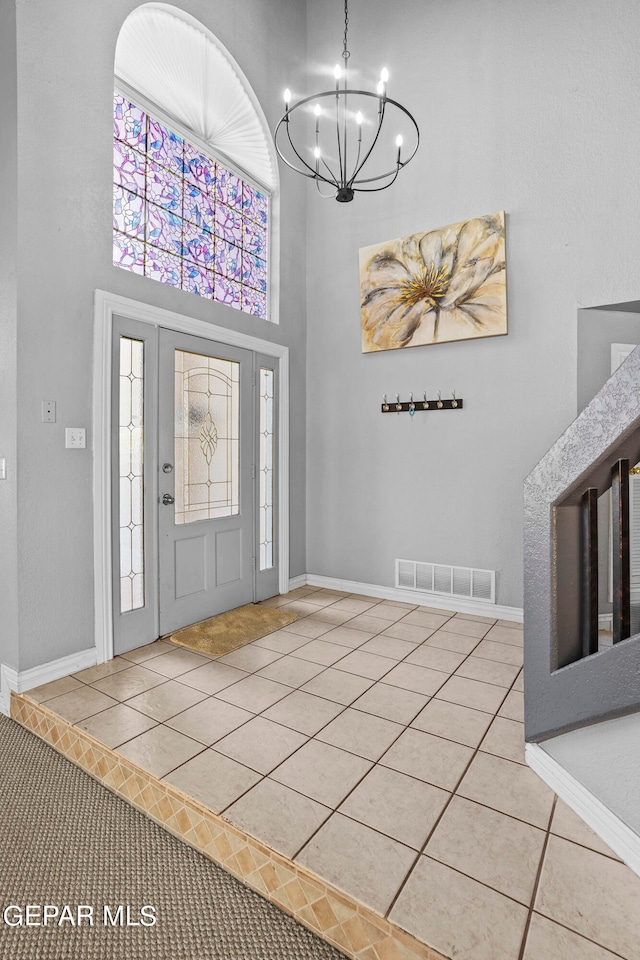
167, 467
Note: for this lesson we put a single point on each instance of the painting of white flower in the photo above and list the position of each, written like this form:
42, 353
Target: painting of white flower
444, 285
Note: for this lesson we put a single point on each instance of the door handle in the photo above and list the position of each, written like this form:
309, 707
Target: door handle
167, 499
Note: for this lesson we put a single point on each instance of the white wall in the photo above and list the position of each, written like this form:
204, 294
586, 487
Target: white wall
528, 107
65, 87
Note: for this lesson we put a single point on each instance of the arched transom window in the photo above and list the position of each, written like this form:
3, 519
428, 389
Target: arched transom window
185, 212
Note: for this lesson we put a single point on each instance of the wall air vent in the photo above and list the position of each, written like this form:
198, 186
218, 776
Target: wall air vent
445, 581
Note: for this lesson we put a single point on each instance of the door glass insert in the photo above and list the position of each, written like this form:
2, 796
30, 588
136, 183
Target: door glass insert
266, 468
207, 437
131, 472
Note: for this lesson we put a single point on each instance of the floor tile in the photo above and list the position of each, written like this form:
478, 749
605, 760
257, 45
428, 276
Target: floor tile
407, 631
508, 787
155, 649
366, 622
166, 700
278, 816
409, 676
300, 607
433, 759
518, 683
472, 693
320, 651
547, 940
55, 688
569, 825
362, 733
472, 616
505, 739
510, 625
435, 658
279, 601
212, 677
488, 671
260, 744
210, 720
392, 703
453, 722
283, 641
160, 750
309, 628
388, 612
490, 847
452, 641
513, 706
353, 606
397, 805
291, 670
505, 635
331, 615
214, 780
467, 628
502, 652
337, 685
390, 647
128, 683
175, 662
99, 672
321, 598
303, 712
358, 860
250, 658
366, 664
116, 725
605, 911
418, 618
254, 693
322, 772
80, 703
347, 636
489, 927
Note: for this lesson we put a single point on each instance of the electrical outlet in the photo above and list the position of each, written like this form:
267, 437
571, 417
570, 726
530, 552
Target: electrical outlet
75, 438
48, 411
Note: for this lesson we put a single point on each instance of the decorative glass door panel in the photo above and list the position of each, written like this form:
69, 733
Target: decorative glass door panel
265, 468
207, 437
131, 474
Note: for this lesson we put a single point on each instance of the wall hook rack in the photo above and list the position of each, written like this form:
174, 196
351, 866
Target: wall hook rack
412, 406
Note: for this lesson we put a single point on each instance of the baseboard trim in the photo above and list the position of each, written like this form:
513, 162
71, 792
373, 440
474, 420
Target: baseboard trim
19, 681
605, 621
296, 582
623, 841
457, 604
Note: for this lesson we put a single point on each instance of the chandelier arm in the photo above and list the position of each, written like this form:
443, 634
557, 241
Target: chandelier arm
371, 148
313, 174
325, 196
332, 177
377, 189
340, 162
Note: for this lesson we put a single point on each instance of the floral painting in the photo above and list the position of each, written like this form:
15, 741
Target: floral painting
444, 285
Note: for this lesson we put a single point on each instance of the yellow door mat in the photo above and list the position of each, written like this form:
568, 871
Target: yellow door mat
233, 629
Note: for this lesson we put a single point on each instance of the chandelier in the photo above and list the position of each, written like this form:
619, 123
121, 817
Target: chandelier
340, 137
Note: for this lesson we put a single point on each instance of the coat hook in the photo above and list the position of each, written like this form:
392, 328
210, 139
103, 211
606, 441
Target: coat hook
412, 406
454, 402
385, 405
440, 403
425, 402
398, 404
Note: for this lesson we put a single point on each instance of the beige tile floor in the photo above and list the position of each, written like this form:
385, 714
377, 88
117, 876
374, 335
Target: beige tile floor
381, 746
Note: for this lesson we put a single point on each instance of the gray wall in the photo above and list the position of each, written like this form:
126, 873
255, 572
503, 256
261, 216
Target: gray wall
65, 86
526, 107
8, 325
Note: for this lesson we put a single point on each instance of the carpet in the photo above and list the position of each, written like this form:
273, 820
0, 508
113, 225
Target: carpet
228, 631
66, 840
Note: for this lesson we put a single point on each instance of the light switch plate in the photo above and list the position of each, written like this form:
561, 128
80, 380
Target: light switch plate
75, 438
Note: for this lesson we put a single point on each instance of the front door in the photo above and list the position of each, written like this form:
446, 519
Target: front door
206, 489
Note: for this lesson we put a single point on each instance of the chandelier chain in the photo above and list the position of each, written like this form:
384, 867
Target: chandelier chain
345, 52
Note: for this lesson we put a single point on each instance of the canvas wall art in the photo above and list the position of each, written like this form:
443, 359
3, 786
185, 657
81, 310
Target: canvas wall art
435, 287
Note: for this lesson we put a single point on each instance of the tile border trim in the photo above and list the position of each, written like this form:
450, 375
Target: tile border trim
349, 926
615, 833
457, 604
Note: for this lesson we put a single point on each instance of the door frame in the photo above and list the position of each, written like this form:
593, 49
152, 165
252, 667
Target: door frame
106, 306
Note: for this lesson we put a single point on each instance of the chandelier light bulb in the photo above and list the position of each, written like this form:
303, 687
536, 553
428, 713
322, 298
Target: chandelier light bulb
287, 96
316, 153
384, 74
317, 110
359, 118
337, 72
399, 141
380, 88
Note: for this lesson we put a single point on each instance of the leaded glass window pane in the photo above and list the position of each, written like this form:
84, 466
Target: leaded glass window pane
207, 437
131, 473
265, 469
183, 219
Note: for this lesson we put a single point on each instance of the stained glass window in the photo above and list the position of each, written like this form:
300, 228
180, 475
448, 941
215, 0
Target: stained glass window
131, 472
182, 218
207, 437
266, 469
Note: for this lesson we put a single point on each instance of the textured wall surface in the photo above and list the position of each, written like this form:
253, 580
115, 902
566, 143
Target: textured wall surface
525, 107
607, 683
